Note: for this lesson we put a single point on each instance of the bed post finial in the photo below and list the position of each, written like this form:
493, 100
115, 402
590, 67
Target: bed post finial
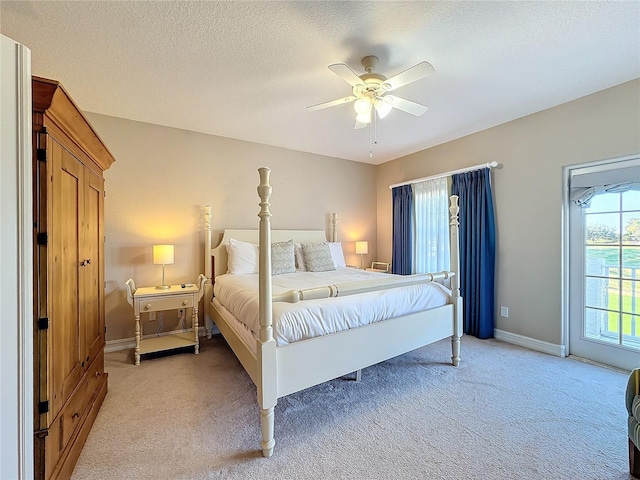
456, 299
334, 227
454, 246
264, 192
207, 242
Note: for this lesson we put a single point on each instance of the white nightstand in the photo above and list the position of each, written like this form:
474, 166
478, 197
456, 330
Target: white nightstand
151, 299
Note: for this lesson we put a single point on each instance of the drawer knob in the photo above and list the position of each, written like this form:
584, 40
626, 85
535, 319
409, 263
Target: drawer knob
147, 306
184, 302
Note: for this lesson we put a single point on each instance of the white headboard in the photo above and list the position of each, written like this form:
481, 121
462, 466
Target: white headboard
219, 253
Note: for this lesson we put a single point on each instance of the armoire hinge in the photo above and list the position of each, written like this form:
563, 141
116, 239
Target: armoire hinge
43, 323
43, 407
41, 154
42, 238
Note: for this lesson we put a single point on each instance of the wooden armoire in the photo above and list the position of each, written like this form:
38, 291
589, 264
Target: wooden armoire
69, 332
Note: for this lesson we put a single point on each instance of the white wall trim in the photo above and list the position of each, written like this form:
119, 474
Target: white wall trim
532, 343
127, 343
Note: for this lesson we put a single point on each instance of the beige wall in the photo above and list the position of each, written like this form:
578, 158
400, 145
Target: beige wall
163, 177
528, 193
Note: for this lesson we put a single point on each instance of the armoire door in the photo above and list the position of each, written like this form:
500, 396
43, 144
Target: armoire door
65, 342
92, 291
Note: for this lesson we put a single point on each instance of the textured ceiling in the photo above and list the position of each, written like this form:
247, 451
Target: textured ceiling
247, 70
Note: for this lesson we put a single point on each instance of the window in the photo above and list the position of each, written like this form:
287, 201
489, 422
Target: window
431, 226
612, 266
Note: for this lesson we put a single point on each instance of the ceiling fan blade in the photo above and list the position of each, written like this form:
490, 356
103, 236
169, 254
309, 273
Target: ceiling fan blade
360, 124
417, 72
348, 75
340, 101
405, 105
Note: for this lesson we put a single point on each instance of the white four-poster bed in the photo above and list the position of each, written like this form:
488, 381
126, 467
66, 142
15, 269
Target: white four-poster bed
280, 368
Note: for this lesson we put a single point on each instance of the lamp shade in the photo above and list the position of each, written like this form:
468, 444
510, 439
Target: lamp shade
362, 248
163, 254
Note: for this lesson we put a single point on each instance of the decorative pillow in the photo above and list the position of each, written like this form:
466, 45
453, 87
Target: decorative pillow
282, 258
300, 265
317, 257
337, 254
242, 257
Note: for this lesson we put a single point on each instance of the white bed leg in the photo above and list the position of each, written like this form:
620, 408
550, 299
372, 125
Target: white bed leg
208, 326
358, 375
455, 350
267, 421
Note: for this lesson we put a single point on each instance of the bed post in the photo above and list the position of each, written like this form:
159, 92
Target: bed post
334, 227
208, 289
266, 353
456, 299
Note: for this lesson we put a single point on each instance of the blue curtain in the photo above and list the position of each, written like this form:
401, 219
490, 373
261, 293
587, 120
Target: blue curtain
477, 250
401, 258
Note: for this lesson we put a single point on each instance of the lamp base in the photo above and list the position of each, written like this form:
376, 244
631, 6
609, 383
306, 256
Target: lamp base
163, 287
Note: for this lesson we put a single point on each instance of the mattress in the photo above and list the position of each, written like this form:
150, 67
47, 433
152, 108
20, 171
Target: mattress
293, 322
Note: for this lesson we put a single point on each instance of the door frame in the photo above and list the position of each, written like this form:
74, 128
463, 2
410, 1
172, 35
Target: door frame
565, 237
16, 292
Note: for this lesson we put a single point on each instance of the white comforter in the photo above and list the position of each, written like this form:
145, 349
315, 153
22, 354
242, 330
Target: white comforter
312, 318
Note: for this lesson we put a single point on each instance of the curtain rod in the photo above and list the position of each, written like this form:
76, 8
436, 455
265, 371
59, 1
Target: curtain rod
446, 174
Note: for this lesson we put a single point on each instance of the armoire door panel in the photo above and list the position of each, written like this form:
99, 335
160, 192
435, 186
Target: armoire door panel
93, 296
65, 322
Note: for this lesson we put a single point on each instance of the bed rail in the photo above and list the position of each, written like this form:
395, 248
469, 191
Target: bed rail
354, 288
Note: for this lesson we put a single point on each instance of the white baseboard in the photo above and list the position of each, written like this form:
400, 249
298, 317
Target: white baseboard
532, 343
127, 343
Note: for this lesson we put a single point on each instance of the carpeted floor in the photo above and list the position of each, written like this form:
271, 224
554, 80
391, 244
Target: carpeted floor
505, 413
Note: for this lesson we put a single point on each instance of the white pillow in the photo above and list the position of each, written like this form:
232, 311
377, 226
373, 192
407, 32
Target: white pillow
242, 257
317, 257
300, 265
337, 254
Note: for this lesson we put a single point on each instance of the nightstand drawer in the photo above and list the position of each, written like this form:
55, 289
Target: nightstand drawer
172, 302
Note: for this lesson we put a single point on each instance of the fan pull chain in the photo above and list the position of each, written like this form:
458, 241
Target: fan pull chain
370, 142
373, 133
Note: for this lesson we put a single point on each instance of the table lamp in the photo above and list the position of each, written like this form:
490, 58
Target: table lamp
362, 248
162, 255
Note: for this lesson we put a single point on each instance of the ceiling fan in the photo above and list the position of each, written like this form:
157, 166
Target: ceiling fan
370, 90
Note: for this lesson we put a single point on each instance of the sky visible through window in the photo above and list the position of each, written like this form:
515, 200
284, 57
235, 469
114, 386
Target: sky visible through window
606, 208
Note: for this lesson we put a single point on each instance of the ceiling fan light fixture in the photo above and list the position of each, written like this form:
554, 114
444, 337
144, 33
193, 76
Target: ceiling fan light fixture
383, 108
362, 106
